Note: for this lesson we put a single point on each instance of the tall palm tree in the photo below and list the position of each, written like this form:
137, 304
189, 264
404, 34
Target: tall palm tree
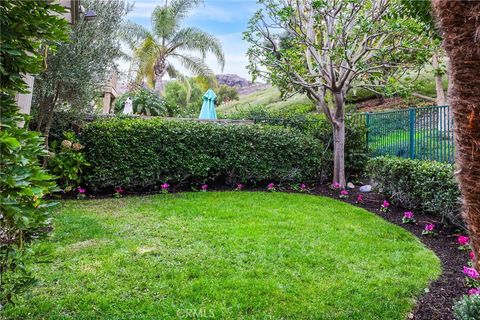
168, 42
460, 24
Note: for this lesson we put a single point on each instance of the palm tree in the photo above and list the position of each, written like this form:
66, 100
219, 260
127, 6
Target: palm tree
168, 42
460, 24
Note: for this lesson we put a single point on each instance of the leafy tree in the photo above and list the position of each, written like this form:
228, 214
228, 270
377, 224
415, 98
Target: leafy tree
225, 94
325, 48
26, 28
169, 42
80, 67
422, 11
459, 24
185, 97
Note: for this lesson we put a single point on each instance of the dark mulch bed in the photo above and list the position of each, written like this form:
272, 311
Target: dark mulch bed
437, 302
450, 286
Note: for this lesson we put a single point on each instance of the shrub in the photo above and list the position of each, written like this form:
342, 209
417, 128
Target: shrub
317, 126
140, 154
67, 161
416, 184
144, 101
26, 26
468, 308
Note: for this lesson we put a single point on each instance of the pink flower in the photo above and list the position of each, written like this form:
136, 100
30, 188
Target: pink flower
429, 227
344, 193
165, 186
408, 215
303, 186
204, 187
119, 190
473, 291
471, 254
385, 204
463, 240
271, 186
335, 185
240, 186
81, 190
470, 272
360, 198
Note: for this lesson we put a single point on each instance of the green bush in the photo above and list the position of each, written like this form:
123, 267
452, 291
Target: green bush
320, 128
144, 101
416, 184
140, 154
468, 308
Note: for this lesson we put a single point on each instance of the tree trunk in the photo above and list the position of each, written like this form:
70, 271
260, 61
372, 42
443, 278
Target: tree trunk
339, 153
460, 24
438, 81
339, 140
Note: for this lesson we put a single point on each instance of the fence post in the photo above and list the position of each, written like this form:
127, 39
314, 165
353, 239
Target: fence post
412, 132
367, 126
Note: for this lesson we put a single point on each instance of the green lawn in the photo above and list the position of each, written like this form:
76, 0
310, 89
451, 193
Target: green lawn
226, 255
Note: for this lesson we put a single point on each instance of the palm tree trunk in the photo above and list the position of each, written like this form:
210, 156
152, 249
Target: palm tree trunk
460, 23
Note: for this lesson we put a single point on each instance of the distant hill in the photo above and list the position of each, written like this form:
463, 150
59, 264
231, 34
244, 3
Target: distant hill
243, 86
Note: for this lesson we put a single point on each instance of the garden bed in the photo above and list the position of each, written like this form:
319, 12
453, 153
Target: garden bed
437, 302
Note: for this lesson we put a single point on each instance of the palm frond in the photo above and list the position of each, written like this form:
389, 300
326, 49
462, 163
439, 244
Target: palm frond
193, 64
196, 40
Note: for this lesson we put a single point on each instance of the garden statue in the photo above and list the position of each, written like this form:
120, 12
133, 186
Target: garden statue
128, 108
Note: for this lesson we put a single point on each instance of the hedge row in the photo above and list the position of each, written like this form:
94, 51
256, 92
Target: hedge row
418, 185
140, 154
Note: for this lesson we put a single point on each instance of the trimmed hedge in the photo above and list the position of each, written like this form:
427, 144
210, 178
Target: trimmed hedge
142, 154
428, 186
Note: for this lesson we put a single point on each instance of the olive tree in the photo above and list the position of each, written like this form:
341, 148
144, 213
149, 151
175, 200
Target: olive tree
325, 48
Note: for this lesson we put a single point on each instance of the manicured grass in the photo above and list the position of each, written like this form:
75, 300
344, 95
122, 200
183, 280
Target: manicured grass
228, 255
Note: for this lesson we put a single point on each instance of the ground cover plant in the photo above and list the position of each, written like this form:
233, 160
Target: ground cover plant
231, 254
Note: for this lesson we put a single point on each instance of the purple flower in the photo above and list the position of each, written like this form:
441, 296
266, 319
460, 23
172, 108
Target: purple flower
385, 204
81, 190
471, 254
470, 272
204, 187
473, 291
429, 227
119, 190
240, 186
408, 215
303, 186
165, 186
463, 240
344, 193
271, 186
360, 198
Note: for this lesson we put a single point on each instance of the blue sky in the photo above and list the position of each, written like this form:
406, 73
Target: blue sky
226, 19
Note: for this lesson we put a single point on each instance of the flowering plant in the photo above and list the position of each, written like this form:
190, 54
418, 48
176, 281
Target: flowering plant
473, 291
385, 206
118, 192
303, 187
271, 187
428, 230
204, 187
360, 199
408, 217
464, 242
471, 255
335, 186
343, 194
81, 193
472, 277
239, 187
164, 188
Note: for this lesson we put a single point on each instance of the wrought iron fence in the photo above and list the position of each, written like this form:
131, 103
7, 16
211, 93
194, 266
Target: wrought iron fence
419, 133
